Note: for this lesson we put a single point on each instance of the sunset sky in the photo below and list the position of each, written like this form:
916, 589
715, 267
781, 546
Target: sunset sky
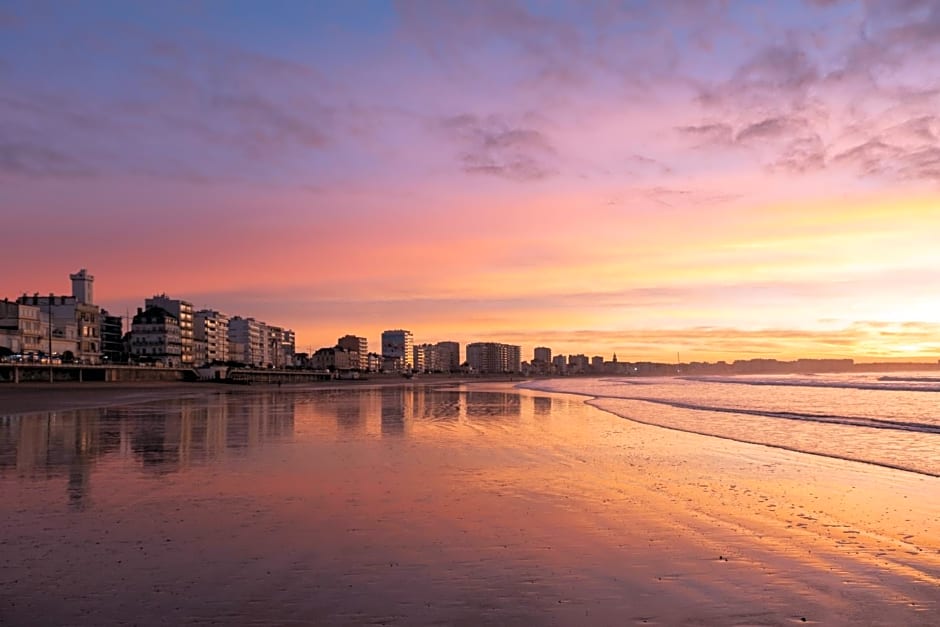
726, 180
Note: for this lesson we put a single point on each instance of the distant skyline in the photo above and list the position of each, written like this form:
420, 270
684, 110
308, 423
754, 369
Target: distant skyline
725, 180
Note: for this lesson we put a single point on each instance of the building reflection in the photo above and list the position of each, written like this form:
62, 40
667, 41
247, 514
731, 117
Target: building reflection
493, 405
397, 402
162, 438
542, 405
169, 436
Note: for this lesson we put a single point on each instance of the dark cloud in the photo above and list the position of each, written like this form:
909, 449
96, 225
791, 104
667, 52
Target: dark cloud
771, 129
776, 77
39, 161
801, 155
266, 124
879, 157
490, 145
640, 166
719, 134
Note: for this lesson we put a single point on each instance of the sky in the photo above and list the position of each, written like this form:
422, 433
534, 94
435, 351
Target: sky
719, 179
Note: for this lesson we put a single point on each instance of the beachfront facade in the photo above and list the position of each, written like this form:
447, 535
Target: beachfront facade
440, 357
75, 325
156, 337
335, 359
542, 354
577, 364
112, 339
183, 311
358, 344
398, 348
210, 337
494, 358
23, 329
448, 353
245, 341
278, 345
425, 358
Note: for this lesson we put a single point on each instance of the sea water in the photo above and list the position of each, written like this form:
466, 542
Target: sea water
890, 420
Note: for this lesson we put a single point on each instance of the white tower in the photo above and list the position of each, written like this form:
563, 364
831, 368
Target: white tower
83, 287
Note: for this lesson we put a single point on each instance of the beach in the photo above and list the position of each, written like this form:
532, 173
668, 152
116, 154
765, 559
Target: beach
437, 504
18, 398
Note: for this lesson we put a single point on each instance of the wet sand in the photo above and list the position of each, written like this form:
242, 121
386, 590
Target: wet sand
404, 505
19, 398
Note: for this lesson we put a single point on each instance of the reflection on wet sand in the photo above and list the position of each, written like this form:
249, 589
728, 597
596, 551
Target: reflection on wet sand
404, 505
393, 410
163, 438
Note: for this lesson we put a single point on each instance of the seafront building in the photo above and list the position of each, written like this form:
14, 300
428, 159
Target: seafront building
359, 345
335, 359
279, 346
440, 357
494, 358
449, 355
112, 339
397, 350
577, 364
74, 329
210, 337
156, 337
74, 320
542, 354
246, 341
183, 311
23, 328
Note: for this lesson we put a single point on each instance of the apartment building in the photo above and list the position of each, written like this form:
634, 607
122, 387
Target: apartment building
493, 357
183, 311
156, 337
398, 348
210, 337
358, 344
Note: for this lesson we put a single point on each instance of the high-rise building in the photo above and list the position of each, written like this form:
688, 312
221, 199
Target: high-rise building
112, 338
577, 364
183, 311
246, 341
210, 334
449, 355
279, 346
542, 355
398, 344
493, 357
358, 344
287, 347
425, 358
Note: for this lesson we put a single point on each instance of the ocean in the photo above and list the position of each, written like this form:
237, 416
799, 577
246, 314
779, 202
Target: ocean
890, 420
